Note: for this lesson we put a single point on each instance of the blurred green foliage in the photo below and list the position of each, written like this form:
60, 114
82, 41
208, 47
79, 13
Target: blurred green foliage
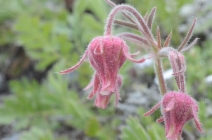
196, 69
143, 128
38, 134
47, 105
51, 36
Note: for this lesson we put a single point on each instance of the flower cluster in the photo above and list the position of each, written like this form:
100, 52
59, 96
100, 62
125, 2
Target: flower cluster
107, 54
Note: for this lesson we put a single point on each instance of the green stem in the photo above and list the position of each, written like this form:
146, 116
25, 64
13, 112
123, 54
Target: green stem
159, 73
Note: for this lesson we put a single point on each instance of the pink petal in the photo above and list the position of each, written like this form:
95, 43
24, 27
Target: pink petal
96, 87
99, 48
105, 85
170, 105
102, 100
171, 133
118, 86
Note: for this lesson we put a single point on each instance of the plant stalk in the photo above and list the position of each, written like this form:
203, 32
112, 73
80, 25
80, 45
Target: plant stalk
159, 73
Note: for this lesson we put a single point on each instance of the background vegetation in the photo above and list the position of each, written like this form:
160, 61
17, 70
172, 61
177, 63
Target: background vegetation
39, 38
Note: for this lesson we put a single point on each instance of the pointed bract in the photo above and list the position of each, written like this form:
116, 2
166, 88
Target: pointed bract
71, 69
151, 17
188, 36
167, 41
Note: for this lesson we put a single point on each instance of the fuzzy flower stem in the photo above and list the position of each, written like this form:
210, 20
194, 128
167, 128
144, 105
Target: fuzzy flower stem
142, 26
159, 73
125, 14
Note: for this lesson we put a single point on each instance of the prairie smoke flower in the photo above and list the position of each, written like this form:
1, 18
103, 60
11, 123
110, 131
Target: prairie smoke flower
178, 64
106, 55
177, 108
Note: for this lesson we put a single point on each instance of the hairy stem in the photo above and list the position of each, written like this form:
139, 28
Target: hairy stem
159, 73
120, 8
125, 14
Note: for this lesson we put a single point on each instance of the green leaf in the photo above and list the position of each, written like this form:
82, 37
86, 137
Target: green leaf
36, 133
92, 127
135, 130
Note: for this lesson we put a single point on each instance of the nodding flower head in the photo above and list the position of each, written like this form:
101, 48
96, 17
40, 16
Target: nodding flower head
177, 108
106, 55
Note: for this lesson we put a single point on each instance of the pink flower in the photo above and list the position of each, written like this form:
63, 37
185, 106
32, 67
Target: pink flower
177, 108
178, 64
106, 55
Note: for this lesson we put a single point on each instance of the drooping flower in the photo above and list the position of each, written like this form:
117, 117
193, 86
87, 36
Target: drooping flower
106, 55
176, 108
178, 64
